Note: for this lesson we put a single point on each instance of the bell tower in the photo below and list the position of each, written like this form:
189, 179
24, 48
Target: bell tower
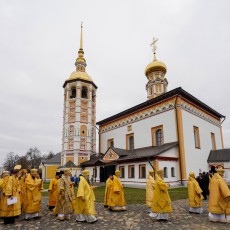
79, 113
155, 73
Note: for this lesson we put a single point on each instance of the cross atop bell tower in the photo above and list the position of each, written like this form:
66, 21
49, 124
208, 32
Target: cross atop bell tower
79, 114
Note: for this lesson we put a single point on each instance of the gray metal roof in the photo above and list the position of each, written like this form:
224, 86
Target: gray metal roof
132, 155
220, 155
56, 159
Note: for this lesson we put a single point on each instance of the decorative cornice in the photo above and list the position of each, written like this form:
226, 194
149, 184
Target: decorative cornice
75, 80
173, 93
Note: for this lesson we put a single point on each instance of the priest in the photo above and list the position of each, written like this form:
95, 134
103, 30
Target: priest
53, 191
32, 203
117, 198
161, 200
194, 195
65, 199
84, 206
108, 186
10, 200
150, 187
219, 198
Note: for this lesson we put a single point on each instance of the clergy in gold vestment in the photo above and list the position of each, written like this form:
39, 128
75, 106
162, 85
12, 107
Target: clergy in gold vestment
10, 190
66, 198
53, 191
150, 186
32, 203
108, 186
194, 195
219, 198
117, 198
84, 206
21, 180
161, 199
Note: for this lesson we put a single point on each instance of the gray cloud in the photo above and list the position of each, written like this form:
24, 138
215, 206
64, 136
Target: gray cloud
39, 43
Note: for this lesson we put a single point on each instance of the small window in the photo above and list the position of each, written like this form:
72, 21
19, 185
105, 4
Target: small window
110, 143
172, 172
165, 172
131, 171
122, 170
129, 128
142, 171
73, 92
213, 141
84, 92
159, 137
196, 137
131, 143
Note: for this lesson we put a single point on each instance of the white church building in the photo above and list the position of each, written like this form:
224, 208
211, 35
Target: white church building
172, 130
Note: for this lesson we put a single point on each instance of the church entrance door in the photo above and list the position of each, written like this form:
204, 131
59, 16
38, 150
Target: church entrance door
106, 171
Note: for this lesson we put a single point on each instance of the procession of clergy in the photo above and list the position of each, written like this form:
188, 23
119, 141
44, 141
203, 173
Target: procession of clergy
21, 194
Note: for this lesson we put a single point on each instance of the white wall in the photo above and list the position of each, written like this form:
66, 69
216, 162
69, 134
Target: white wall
142, 131
196, 159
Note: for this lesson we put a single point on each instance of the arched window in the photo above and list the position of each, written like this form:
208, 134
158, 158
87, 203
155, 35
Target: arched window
84, 92
172, 172
73, 92
131, 143
165, 172
159, 137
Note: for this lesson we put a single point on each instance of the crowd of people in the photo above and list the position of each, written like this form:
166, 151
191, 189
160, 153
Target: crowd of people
20, 194
209, 184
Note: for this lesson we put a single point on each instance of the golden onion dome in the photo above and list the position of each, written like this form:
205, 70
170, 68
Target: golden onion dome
155, 66
80, 75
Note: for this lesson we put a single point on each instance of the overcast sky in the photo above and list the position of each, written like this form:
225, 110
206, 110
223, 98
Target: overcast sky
39, 43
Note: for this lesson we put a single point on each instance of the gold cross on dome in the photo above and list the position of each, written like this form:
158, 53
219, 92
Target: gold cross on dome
154, 46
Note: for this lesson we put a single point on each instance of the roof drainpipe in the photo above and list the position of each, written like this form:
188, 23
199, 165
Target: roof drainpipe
175, 106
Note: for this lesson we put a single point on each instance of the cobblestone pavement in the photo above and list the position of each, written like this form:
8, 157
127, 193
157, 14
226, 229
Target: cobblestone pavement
134, 218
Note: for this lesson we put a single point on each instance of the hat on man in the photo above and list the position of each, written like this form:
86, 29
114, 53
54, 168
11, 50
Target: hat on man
5, 173
57, 174
192, 174
220, 171
33, 171
85, 172
117, 172
151, 171
17, 167
66, 171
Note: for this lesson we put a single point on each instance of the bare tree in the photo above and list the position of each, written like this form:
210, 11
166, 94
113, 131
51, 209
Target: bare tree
50, 155
10, 161
23, 161
34, 157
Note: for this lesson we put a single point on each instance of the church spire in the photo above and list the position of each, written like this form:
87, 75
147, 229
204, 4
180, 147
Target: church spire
80, 61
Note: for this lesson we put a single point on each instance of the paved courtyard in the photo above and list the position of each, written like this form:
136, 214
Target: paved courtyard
134, 218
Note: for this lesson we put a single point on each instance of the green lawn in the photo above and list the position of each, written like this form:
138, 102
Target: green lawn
137, 196
46, 185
